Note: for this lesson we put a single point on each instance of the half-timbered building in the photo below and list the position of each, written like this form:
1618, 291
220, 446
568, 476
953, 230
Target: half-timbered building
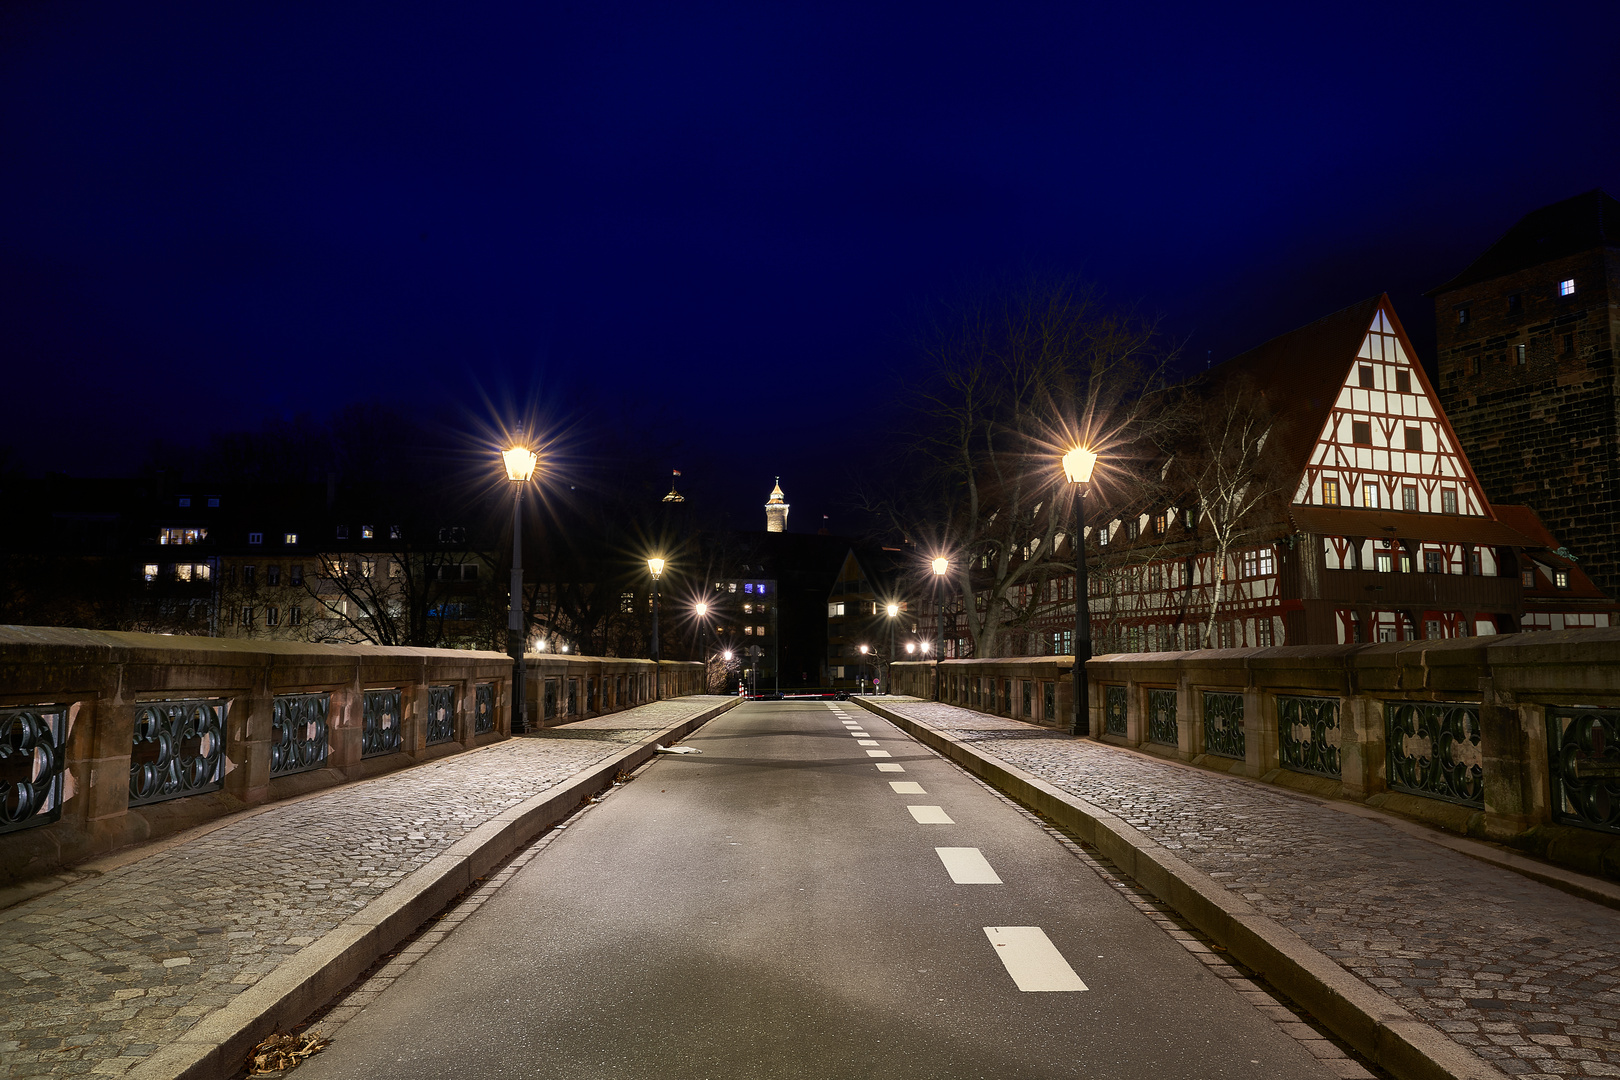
1381, 531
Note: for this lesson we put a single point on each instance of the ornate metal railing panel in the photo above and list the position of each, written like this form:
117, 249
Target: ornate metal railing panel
298, 732
1308, 734
1433, 750
177, 749
33, 753
483, 708
1223, 725
1584, 748
381, 725
1162, 724
1114, 710
441, 718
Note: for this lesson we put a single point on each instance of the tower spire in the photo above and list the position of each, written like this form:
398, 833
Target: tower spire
776, 510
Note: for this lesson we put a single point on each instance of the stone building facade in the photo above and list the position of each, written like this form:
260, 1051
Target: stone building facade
1526, 372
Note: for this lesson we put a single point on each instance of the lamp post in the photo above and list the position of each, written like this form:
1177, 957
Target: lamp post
656, 565
862, 677
520, 462
703, 640
888, 668
1077, 466
941, 566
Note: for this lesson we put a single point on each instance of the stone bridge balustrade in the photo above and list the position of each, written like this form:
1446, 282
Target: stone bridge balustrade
110, 739
1513, 738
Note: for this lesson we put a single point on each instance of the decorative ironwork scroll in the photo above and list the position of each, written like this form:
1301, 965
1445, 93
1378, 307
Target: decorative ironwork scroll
1584, 747
381, 729
1223, 725
33, 754
1308, 735
1162, 724
177, 749
483, 708
1433, 750
1114, 710
298, 732
441, 718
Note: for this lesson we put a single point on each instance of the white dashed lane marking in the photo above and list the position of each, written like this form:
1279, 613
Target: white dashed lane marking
907, 787
1032, 960
886, 767
929, 815
866, 742
878, 753
967, 866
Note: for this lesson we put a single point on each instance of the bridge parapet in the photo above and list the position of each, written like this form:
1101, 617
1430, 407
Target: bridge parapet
109, 739
1512, 738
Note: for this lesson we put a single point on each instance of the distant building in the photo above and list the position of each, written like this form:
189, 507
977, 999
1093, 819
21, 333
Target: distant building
1527, 372
776, 510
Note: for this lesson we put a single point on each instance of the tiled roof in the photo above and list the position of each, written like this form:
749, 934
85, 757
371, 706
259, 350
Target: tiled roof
1589, 220
1406, 525
1525, 520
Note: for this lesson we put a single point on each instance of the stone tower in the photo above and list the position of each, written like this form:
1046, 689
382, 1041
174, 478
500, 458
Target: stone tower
776, 510
1527, 354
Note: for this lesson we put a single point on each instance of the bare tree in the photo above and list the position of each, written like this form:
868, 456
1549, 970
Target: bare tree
409, 594
1013, 379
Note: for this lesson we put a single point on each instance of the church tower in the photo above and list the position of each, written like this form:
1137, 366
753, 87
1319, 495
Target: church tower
776, 510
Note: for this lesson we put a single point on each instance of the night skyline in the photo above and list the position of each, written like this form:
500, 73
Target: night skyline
712, 232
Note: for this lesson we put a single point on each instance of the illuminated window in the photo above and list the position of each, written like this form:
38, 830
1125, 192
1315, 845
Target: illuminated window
182, 572
1102, 536
749, 630
1385, 563
213, 502
366, 532
1160, 523
1414, 439
1408, 497
1403, 382
834, 610
290, 538
202, 571
759, 631
181, 536
749, 608
748, 587
1330, 492
1566, 287
1369, 495
1366, 376
1448, 500
1561, 579
1361, 432
761, 589
255, 538
150, 572
1268, 562
732, 587
368, 568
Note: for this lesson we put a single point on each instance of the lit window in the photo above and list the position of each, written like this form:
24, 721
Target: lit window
749, 630
748, 588
1409, 497
202, 571
1403, 382
1102, 536
255, 538
185, 501
150, 572
1369, 495
290, 538
368, 568
213, 503
732, 587
1518, 354
366, 532
1361, 432
759, 631
1330, 492
1448, 501
1561, 579
834, 610
749, 608
1566, 287
760, 589
1268, 562
181, 536
1386, 563
182, 572
1160, 523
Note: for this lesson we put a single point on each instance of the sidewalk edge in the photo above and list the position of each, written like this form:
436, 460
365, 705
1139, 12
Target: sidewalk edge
1373, 1023
218, 1045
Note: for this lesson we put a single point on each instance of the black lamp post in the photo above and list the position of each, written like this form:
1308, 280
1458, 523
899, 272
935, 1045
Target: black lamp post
520, 462
892, 610
1077, 466
657, 567
941, 566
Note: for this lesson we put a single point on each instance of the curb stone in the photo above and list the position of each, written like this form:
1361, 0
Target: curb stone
218, 1045
1378, 1027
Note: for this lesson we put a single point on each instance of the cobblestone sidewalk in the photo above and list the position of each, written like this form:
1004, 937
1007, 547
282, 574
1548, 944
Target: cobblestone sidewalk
100, 973
1526, 976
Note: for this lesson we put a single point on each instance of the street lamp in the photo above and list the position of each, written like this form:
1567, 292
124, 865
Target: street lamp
703, 640
520, 462
1077, 466
941, 566
888, 668
862, 677
657, 567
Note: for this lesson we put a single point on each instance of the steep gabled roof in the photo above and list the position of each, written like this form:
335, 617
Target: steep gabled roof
1587, 221
1300, 373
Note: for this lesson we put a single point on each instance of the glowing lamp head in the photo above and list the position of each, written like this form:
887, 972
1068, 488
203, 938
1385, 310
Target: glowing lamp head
702, 609
910, 647
520, 462
863, 650
727, 655
1077, 465
941, 565
924, 648
893, 610
656, 566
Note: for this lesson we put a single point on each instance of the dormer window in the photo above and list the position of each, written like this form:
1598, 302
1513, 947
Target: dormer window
1561, 579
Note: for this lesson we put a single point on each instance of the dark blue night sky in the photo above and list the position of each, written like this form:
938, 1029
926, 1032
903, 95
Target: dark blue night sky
710, 226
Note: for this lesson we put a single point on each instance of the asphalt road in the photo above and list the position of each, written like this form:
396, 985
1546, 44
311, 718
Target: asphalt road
776, 908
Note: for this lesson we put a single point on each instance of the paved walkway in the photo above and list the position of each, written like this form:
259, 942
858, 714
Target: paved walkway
100, 973
1526, 976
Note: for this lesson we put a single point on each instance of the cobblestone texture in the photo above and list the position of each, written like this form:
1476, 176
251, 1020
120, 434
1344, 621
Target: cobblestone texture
1524, 975
102, 972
